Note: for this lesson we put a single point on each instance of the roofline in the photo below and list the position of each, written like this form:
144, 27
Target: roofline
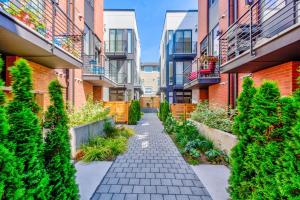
126, 10
175, 11
149, 63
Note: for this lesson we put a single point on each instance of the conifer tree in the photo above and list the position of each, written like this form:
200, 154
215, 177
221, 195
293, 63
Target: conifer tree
240, 173
57, 149
263, 151
11, 186
25, 132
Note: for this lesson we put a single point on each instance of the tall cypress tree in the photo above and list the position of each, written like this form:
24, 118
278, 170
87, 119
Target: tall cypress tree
240, 173
263, 151
25, 132
11, 185
57, 149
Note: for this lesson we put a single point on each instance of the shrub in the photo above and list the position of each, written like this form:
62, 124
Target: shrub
11, 184
213, 117
186, 131
134, 112
265, 162
170, 124
213, 154
164, 111
57, 148
101, 148
25, 133
89, 113
108, 128
241, 126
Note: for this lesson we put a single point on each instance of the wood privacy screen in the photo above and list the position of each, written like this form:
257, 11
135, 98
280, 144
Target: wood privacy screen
150, 102
118, 110
182, 110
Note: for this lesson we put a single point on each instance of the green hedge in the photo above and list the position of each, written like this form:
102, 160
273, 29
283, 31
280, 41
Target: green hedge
134, 112
265, 162
164, 110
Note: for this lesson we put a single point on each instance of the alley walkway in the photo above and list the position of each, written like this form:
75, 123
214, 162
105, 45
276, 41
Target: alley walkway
151, 169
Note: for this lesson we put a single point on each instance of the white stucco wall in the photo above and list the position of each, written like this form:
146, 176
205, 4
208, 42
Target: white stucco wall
195, 95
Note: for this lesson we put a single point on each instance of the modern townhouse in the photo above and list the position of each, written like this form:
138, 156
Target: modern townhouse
258, 38
178, 48
122, 51
150, 78
50, 35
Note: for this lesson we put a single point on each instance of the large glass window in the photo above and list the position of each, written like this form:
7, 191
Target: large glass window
112, 39
215, 41
183, 41
170, 40
86, 40
148, 90
116, 40
148, 69
170, 73
270, 7
129, 41
179, 73
129, 71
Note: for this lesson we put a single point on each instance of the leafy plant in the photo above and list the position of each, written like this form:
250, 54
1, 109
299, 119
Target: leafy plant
212, 154
89, 113
25, 133
134, 112
195, 153
213, 117
164, 111
108, 128
57, 148
170, 124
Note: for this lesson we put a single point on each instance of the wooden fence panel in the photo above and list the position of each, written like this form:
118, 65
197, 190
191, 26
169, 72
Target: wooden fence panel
150, 102
118, 110
182, 110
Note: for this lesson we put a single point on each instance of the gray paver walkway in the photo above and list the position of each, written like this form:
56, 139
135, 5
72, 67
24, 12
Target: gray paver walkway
151, 169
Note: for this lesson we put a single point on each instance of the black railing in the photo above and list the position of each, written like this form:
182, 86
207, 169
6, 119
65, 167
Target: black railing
264, 20
201, 69
48, 20
115, 75
182, 48
116, 46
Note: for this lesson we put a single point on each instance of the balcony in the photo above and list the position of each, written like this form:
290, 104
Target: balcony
201, 74
95, 72
182, 50
40, 32
116, 49
268, 34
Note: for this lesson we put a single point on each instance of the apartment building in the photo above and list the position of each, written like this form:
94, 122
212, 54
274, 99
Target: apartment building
50, 35
122, 51
150, 79
178, 48
258, 38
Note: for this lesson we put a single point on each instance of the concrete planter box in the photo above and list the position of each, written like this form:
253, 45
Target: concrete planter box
221, 139
82, 134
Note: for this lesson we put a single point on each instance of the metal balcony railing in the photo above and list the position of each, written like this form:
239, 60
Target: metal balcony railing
182, 48
94, 65
264, 20
116, 46
48, 20
201, 69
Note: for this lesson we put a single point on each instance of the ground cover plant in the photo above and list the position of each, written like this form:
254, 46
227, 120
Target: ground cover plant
265, 162
214, 117
194, 147
89, 113
109, 147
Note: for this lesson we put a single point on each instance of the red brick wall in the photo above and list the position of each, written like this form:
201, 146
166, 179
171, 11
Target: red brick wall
97, 92
218, 93
202, 20
284, 75
203, 94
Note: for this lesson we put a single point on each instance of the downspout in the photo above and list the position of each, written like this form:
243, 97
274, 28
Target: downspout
67, 70
228, 94
73, 70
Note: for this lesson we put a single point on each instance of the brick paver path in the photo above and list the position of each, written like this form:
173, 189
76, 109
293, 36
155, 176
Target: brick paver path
151, 169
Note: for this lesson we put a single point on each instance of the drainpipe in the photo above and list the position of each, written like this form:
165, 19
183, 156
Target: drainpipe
228, 94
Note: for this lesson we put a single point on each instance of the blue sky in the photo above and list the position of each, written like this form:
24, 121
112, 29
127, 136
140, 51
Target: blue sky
150, 18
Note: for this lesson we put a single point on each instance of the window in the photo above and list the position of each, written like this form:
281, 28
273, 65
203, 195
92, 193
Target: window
183, 41
170, 73
116, 41
86, 40
148, 69
129, 34
215, 41
183, 96
170, 40
179, 73
270, 7
204, 46
211, 2
148, 90
129, 71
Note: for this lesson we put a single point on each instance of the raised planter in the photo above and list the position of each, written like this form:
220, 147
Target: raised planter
221, 139
82, 134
